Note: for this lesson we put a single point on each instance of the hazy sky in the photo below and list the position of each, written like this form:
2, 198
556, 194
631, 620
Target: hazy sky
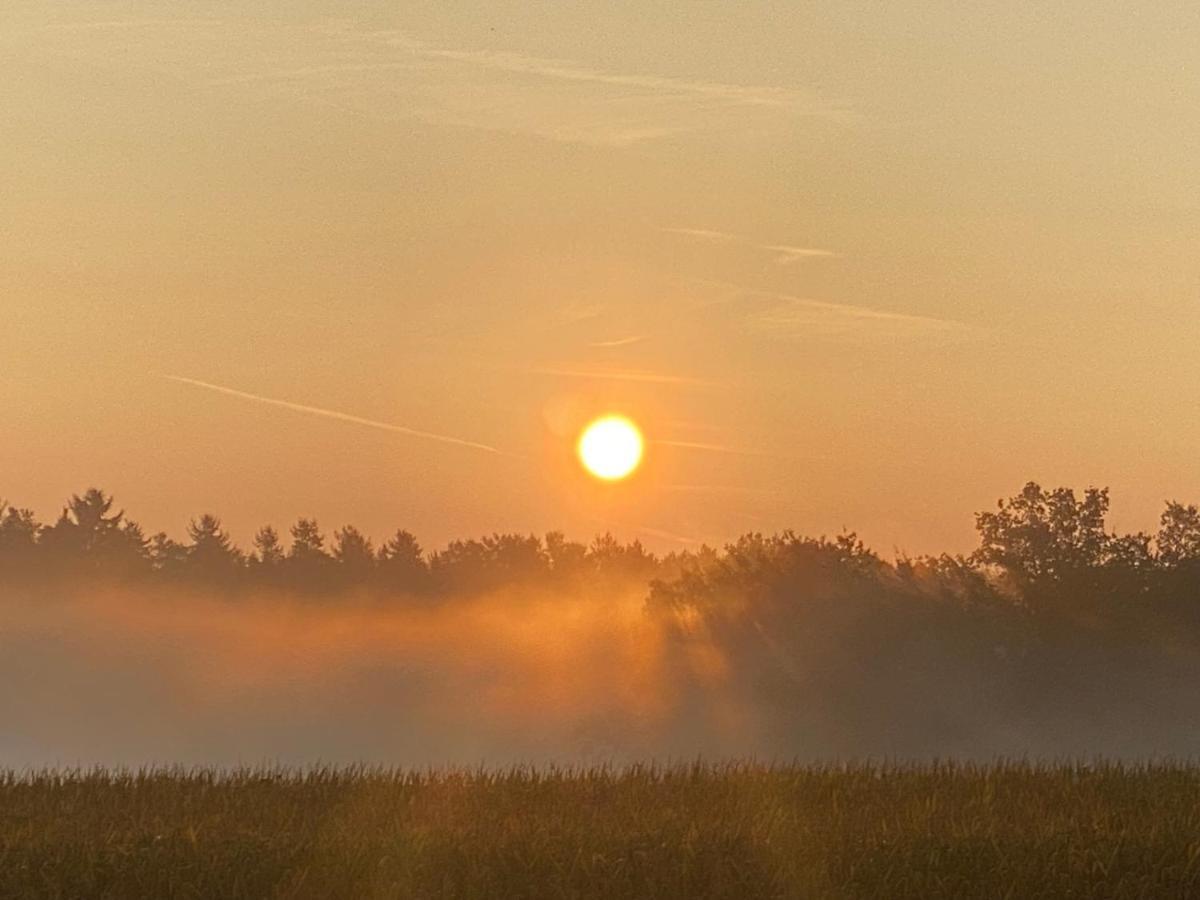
854, 264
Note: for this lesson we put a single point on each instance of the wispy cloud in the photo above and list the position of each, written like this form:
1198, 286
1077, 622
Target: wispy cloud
620, 342
392, 72
786, 315
618, 375
333, 414
611, 525
394, 75
797, 314
786, 254
785, 98
669, 535
711, 448
789, 255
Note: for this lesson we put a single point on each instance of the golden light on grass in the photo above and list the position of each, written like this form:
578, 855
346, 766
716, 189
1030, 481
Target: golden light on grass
611, 448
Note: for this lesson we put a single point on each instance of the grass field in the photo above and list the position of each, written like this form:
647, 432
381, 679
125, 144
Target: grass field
1010, 830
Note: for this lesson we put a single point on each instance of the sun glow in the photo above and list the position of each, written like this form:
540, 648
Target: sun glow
611, 448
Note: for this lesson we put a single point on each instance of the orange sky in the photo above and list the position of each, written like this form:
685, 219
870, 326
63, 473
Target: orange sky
884, 265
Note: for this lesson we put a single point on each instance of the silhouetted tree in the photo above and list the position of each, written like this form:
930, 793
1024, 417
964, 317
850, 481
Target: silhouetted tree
402, 565
463, 565
132, 549
166, 556
489, 562
88, 532
211, 554
308, 565
268, 550
1178, 538
515, 556
610, 557
1178, 545
307, 541
18, 538
354, 554
568, 560
1041, 537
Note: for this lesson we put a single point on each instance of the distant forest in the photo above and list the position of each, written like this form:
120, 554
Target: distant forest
1039, 550
1056, 633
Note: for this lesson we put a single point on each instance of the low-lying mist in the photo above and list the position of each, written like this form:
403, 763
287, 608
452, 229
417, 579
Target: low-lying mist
159, 675
132, 676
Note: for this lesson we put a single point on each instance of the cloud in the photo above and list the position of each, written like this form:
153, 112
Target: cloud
620, 342
333, 414
669, 535
798, 314
789, 255
391, 73
711, 448
618, 375
792, 99
785, 315
786, 253
647, 531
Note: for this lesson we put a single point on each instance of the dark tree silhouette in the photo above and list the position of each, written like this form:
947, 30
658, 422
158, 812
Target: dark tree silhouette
1178, 537
402, 565
307, 542
18, 538
354, 555
268, 550
1040, 537
166, 556
609, 557
89, 533
1047, 552
211, 554
568, 560
308, 567
462, 566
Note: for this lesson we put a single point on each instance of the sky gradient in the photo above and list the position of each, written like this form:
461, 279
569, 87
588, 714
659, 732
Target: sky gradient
848, 266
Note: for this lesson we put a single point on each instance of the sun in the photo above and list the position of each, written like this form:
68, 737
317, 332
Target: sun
611, 448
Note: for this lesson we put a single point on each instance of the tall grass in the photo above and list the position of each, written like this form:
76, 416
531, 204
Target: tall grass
744, 830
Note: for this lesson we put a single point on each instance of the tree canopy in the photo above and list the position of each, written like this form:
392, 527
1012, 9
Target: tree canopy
1045, 549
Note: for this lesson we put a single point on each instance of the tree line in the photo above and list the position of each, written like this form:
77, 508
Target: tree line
93, 538
1039, 549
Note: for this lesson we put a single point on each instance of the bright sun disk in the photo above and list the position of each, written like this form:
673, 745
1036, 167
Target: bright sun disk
611, 447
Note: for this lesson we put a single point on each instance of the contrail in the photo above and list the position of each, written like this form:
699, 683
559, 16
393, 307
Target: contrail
609, 525
712, 448
333, 414
620, 342
668, 535
649, 377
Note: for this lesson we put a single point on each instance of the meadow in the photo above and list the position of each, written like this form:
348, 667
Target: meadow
1009, 829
